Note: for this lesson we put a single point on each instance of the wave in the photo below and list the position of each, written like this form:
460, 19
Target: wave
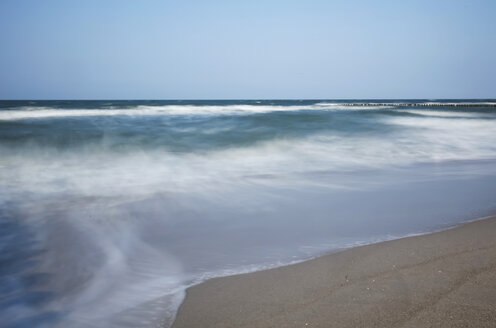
98, 171
448, 114
39, 112
27, 112
43, 112
351, 106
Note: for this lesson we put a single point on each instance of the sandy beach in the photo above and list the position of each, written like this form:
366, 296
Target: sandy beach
443, 279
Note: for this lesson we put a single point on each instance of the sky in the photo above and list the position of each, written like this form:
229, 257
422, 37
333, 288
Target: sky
228, 49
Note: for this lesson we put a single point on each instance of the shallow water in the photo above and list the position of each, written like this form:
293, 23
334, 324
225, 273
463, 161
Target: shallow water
110, 209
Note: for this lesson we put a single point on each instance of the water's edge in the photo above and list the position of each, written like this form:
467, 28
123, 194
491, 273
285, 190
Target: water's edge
330, 252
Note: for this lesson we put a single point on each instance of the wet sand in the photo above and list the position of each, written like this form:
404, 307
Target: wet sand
444, 279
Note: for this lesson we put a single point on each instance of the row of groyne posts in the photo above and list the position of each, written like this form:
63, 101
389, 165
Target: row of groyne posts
406, 104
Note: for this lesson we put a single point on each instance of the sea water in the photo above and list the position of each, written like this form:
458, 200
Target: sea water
109, 210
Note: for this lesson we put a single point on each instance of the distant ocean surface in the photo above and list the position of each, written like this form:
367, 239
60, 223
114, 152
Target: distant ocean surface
109, 210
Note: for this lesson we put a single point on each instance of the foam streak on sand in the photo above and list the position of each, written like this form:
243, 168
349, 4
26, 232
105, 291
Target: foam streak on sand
444, 279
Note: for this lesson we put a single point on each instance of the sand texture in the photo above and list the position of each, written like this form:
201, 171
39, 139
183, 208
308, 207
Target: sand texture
444, 279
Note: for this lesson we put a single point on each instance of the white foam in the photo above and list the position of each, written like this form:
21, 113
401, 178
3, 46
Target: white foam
41, 112
45, 112
99, 172
452, 114
142, 110
343, 106
461, 104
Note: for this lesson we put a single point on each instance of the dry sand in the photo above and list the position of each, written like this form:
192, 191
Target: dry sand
444, 279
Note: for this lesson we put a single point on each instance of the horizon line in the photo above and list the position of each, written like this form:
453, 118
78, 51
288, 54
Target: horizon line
235, 99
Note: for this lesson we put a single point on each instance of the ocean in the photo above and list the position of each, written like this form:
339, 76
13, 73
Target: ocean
109, 210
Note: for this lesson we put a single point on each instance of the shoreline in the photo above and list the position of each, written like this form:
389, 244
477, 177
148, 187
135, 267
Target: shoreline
445, 278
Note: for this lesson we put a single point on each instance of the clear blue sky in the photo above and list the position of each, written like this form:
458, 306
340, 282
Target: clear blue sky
183, 49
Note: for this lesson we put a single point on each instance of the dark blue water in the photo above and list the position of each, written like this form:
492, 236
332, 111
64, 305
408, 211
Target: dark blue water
110, 209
